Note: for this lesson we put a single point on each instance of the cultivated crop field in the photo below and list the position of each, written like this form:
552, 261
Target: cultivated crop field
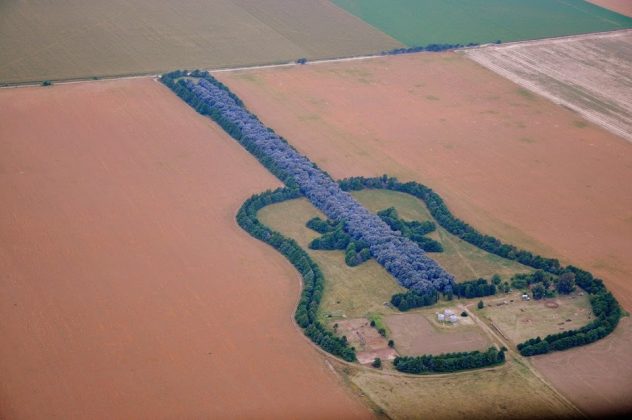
498, 154
75, 38
128, 289
421, 22
589, 74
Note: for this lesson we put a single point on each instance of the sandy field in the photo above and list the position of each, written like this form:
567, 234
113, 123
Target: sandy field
509, 162
620, 6
598, 377
591, 75
414, 335
65, 39
128, 290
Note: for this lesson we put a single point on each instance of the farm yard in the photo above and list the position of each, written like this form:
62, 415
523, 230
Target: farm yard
590, 75
498, 154
79, 39
122, 262
520, 320
421, 22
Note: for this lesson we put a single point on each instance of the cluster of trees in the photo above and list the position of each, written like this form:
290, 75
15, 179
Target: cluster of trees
541, 283
413, 230
474, 288
449, 362
430, 48
412, 299
605, 307
401, 257
307, 310
334, 237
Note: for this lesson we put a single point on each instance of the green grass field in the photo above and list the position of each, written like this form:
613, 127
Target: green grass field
363, 290
80, 39
421, 22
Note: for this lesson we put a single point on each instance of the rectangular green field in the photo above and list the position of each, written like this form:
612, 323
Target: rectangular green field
421, 22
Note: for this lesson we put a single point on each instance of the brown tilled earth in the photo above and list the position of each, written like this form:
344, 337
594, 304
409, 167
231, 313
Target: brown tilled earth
620, 6
512, 164
128, 290
598, 377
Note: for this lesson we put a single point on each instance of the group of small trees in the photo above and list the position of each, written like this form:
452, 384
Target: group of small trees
449, 362
414, 230
543, 284
334, 237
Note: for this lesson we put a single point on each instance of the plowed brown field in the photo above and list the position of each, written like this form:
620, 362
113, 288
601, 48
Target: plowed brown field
128, 290
511, 163
620, 6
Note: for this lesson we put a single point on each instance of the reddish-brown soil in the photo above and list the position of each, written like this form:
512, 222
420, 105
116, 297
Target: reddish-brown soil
598, 377
507, 161
620, 6
128, 290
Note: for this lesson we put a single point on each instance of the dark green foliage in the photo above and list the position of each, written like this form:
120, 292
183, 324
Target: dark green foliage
337, 239
306, 312
334, 237
604, 305
566, 283
449, 362
357, 252
412, 299
47, 83
538, 291
377, 363
480, 304
464, 314
413, 230
474, 288
321, 226
391, 343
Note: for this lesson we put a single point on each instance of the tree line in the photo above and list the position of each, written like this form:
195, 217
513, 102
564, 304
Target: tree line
306, 314
449, 362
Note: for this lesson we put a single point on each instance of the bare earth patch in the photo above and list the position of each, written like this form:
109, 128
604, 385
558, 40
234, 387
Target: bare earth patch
368, 342
415, 335
590, 74
128, 290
